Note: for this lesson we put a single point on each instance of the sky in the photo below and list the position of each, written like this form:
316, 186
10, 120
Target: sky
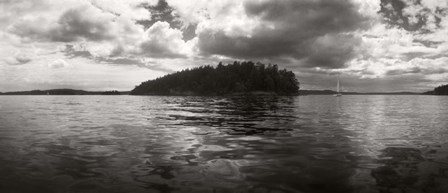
371, 45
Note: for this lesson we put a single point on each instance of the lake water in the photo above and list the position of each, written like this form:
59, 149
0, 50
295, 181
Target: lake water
217, 144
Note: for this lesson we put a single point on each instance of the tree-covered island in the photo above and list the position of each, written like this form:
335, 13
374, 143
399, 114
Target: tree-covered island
440, 90
236, 78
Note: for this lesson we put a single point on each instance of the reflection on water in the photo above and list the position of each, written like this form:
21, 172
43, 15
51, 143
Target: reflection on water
223, 144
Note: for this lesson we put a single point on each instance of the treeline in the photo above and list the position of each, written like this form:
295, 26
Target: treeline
112, 92
441, 90
239, 77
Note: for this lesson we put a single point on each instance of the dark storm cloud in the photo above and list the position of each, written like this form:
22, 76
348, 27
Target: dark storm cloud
333, 50
300, 30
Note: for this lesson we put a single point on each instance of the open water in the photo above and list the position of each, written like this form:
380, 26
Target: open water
307, 144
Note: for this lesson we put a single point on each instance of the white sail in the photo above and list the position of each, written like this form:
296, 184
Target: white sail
338, 92
337, 88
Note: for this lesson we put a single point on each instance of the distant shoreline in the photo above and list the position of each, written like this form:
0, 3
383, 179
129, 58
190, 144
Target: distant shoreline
254, 93
330, 92
65, 92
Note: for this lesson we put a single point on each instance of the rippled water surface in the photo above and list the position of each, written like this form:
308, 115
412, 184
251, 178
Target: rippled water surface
217, 144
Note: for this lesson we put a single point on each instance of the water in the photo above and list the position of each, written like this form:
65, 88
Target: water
217, 144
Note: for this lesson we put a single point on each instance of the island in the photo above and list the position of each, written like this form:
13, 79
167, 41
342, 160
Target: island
440, 90
239, 78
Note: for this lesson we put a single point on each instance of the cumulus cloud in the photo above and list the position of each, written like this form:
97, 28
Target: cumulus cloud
75, 24
18, 60
79, 23
162, 41
158, 41
96, 29
58, 64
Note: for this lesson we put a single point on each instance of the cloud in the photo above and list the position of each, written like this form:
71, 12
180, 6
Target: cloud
420, 66
409, 38
332, 51
79, 50
161, 12
162, 42
374, 40
416, 70
72, 51
414, 15
82, 22
71, 20
137, 62
75, 24
58, 64
131, 9
21, 57
158, 41
18, 60
100, 29
294, 29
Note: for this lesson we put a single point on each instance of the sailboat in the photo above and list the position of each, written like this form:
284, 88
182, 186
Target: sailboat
338, 94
